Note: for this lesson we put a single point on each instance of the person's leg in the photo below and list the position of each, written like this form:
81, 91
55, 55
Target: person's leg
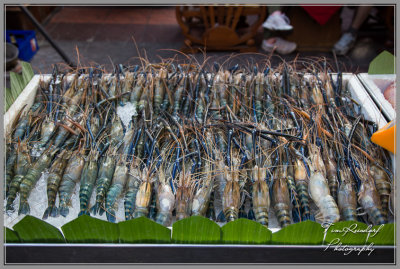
348, 39
277, 21
361, 14
279, 45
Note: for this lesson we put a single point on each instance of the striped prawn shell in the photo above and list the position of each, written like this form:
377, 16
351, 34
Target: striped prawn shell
159, 90
347, 198
260, 195
71, 176
202, 196
165, 204
54, 178
143, 197
369, 199
301, 181
13, 190
48, 127
105, 174
211, 209
127, 86
258, 95
22, 165
319, 192
21, 127
331, 175
231, 196
292, 190
11, 159
281, 201
29, 181
182, 202
383, 186
177, 98
88, 179
53, 182
137, 89
116, 188
130, 196
201, 201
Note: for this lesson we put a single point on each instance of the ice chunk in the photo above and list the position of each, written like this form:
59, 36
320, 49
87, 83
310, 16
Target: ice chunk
125, 113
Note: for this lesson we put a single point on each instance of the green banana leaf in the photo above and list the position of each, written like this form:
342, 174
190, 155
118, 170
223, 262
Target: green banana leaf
143, 230
383, 236
86, 229
18, 83
33, 230
347, 233
8, 98
245, 231
10, 236
196, 230
27, 72
384, 63
302, 233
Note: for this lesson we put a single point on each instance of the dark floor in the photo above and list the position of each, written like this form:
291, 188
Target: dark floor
107, 36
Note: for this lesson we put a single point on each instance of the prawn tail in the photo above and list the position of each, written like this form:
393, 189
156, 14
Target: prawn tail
129, 208
283, 216
377, 216
296, 216
163, 218
251, 215
9, 206
242, 212
51, 211
110, 215
93, 210
101, 211
24, 208
221, 217
64, 211
261, 216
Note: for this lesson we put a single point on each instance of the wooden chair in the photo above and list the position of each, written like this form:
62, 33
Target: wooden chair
220, 27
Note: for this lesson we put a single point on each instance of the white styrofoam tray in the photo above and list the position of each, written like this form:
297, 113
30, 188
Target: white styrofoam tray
361, 96
375, 86
26, 97
369, 108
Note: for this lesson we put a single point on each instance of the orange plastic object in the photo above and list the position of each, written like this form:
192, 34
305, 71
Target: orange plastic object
386, 137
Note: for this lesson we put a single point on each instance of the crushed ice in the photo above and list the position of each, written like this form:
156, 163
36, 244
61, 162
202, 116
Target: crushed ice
38, 203
125, 113
38, 198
